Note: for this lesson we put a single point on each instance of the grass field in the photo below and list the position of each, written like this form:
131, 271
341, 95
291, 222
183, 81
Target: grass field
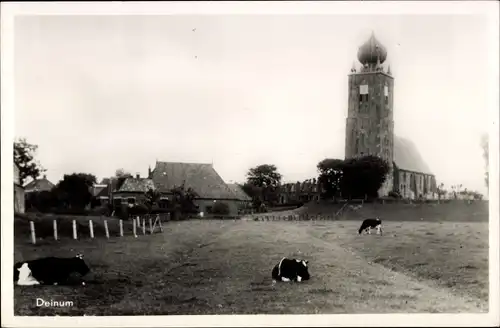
224, 267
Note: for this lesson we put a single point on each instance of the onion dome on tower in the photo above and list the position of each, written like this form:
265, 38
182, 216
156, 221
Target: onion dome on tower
372, 52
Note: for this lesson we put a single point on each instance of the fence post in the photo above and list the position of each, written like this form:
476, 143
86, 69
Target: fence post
144, 226
32, 228
55, 229
134, 228
121, 228
106, 228
75, 236
91, 228
150, 226
159, 222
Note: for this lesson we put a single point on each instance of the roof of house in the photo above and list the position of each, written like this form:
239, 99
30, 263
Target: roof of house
202, 178
238, 191
137, 185
104, 192
96, 189
407, 157
39, 185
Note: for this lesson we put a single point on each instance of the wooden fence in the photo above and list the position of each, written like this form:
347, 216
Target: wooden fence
153, 223
304, 217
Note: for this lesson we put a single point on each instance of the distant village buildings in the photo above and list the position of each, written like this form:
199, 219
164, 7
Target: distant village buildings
299, 192
202, 178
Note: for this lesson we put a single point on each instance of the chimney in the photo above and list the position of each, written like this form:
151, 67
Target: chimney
45, 176
149, 172
137, 175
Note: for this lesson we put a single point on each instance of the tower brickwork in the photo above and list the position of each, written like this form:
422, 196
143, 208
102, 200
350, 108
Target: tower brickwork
370, 122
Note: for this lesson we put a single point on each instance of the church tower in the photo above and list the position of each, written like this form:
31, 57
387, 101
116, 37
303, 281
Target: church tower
369, 123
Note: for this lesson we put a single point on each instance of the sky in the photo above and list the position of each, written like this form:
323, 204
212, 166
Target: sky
98, 93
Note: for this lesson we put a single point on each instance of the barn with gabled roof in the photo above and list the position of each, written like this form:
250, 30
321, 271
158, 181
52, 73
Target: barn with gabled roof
202, 178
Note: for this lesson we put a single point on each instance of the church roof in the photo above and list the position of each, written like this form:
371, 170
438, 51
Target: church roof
407, 157
202, 178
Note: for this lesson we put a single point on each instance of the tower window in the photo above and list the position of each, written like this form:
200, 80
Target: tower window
363, 89
386, 94
363, 93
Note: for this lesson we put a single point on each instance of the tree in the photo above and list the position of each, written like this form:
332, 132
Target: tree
105, 181
182, 203
152, 197
264, 175
486, 156
363, 176
120, 176
74, 190
119, 173
253, 192
265, 181
24, 157
330, 176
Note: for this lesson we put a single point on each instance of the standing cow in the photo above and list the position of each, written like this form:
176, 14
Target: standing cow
49, 270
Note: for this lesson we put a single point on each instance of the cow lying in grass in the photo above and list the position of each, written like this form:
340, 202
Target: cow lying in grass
290, 270
49, 270
369, 224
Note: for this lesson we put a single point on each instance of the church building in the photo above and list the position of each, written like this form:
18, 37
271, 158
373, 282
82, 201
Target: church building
370, 126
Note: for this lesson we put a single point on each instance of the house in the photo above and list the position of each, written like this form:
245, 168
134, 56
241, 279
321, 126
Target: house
299, 192
202, 178
245, 201
130, 192
18, 191
38, 185
101, 193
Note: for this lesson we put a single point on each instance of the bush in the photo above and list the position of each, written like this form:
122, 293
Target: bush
139, 209
70, 211
160, 210
100, 211
220, 208
394, 194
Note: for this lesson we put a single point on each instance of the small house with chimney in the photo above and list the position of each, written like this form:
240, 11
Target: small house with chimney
39, 185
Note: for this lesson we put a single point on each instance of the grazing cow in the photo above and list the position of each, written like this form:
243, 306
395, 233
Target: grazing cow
290, 270
369, 224
49, 270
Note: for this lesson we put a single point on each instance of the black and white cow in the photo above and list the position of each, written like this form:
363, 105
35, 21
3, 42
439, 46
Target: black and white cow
369, 224
291, 270
49, 270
